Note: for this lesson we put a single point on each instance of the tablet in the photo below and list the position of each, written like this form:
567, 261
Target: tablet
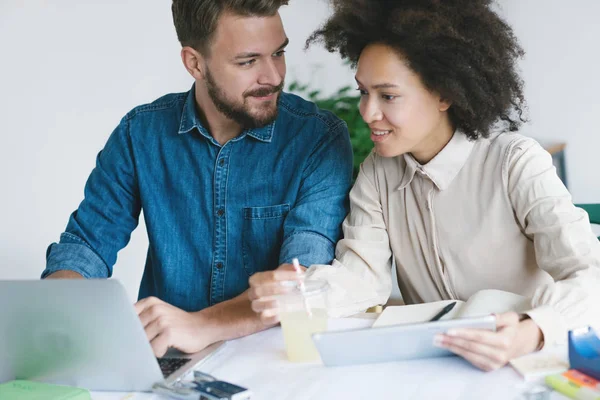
391, 343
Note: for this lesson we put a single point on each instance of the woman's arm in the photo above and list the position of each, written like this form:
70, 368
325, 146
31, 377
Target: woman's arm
564, 243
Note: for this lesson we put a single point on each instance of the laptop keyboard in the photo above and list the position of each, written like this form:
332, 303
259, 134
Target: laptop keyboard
170, 365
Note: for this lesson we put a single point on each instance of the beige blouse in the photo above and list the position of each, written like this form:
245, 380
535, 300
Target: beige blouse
489, 214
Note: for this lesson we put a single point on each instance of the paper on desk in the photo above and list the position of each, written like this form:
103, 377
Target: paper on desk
356, 322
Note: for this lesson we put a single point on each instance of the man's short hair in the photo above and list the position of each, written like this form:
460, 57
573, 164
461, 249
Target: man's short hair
196, 20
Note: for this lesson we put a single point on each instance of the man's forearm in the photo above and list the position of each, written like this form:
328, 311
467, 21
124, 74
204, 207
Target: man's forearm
64, 274
231, 319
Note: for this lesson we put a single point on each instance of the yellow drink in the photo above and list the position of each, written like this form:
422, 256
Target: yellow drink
297, 327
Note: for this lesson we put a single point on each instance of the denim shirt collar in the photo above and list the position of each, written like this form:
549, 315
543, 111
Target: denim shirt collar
444, 167
191, 120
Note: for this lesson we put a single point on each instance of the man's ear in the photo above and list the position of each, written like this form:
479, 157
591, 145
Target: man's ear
193, 61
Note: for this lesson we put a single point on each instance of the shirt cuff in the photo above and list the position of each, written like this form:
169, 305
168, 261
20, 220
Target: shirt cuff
348, 294
70, 255
308, 247
550, 323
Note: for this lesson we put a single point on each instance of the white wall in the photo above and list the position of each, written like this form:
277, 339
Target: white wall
70, 70
560, 70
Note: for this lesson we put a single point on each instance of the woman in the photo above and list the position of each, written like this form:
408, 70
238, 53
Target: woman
460, 202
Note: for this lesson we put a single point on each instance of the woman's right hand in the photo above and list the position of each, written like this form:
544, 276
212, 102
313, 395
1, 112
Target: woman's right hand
265, 286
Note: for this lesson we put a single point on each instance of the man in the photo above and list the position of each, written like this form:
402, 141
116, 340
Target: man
234, 177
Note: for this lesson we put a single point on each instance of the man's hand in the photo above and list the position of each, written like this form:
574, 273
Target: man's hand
492, 350
264, 286
168, 326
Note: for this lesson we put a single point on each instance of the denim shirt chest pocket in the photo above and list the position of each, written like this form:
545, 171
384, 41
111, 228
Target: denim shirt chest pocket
262, 237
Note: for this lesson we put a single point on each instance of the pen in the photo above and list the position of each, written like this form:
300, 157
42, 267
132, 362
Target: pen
444, 311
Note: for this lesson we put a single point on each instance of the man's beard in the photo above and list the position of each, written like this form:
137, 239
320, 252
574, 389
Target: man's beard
241, 113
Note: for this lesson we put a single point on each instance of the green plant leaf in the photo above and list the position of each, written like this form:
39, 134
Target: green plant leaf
344, 90
314, 94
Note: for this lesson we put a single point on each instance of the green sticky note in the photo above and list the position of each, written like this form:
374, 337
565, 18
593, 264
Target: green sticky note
27, 390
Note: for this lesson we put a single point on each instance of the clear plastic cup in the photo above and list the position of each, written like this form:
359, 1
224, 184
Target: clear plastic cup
303, 313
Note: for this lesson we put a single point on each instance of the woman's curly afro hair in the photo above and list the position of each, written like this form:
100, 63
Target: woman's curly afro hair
461, 49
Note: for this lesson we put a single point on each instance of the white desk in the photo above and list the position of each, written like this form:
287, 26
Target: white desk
258, 362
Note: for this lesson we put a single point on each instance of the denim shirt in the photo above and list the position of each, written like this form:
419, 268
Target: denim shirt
215, 214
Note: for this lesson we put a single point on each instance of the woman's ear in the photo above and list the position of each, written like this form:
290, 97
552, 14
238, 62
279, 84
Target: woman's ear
444, 104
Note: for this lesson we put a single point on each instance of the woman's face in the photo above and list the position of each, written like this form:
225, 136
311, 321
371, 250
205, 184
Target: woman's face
404, 116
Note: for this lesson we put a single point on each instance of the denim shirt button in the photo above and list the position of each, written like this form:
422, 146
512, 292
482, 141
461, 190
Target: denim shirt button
220, 212
219, 265
222, 162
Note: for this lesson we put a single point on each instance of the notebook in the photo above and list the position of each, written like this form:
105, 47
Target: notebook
484, 302
28, 390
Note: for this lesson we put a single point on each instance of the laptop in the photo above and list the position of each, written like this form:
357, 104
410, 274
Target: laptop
82, 333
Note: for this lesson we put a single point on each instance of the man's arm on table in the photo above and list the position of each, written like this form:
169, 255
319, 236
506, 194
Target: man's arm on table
168, 326
324, 197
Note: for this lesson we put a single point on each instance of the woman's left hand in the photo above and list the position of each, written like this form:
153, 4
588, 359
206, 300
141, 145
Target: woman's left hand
492, 350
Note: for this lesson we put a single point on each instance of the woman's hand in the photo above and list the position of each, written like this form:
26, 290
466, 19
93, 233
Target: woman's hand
265, 286
492, 350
